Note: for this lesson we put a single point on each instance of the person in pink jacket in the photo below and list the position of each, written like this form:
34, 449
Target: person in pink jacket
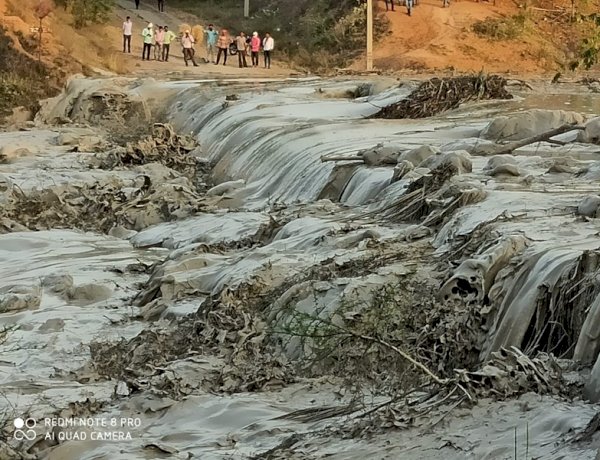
255, 48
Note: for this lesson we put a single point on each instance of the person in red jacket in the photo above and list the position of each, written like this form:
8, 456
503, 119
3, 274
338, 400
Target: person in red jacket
255, 48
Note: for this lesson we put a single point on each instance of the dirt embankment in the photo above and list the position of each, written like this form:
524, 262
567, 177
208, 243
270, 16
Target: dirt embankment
520, 39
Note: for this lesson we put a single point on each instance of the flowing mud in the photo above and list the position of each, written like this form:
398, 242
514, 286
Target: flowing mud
242, 269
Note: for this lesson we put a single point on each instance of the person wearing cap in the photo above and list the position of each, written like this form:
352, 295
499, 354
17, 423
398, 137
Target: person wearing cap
148, 35
255, 48
211, 43
169, 37
187, 41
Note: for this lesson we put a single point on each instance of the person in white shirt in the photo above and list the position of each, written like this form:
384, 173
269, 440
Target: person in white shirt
187, 42
127, 30
268, 45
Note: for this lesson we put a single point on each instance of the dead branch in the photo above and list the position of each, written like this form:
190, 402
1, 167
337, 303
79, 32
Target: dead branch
560, 10
544, 137
586, 434
438, 95
341, 158
514, 82
397, 350
454, 406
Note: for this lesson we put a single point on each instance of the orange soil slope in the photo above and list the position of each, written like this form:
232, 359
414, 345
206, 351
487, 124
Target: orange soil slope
441, 38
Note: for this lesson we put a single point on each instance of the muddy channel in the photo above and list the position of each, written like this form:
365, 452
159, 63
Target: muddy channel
235, 269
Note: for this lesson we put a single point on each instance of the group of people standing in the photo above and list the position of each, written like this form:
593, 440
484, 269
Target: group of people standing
389, 4
161, 5
218, 44
160, 38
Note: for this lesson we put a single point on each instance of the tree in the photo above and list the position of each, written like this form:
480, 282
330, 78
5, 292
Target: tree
88, 11
42, 9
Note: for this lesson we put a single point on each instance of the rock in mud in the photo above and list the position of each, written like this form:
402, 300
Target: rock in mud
58, 284
504, 170
17, 298
87, 294
226, 187
528, 123
72, 137
52, 325
591, 133
562, 165
473, 279
20, 116
401, 169
10, 152
459, 161
589, 206
417, 156
499, 160
340, 175
380, 155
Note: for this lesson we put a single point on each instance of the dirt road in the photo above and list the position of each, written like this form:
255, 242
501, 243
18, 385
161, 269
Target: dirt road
148, 12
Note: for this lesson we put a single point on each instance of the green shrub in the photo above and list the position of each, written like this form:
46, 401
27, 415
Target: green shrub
88, 11
507, 28
23, 81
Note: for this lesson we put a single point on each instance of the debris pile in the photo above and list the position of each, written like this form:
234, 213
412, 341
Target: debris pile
432, 198
511, 372
438, 95
163, 146
237, 339
101, 103
99, 207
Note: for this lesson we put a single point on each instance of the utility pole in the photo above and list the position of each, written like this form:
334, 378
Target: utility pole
246, 8
369, 35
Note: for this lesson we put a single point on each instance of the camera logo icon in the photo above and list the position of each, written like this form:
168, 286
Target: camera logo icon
24, 429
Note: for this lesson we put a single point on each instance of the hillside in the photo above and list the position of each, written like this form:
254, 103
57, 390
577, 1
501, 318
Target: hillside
310, 36
437, 38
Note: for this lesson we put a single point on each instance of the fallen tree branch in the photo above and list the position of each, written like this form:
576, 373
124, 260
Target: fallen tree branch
555, 142
397, 350
283, 445
521, 83
543, 137
341, 158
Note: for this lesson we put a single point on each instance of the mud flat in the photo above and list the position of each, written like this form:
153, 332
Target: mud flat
264, 270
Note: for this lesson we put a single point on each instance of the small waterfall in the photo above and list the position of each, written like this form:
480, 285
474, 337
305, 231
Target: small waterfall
521, 302
366, 184
552, 305
275, 141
